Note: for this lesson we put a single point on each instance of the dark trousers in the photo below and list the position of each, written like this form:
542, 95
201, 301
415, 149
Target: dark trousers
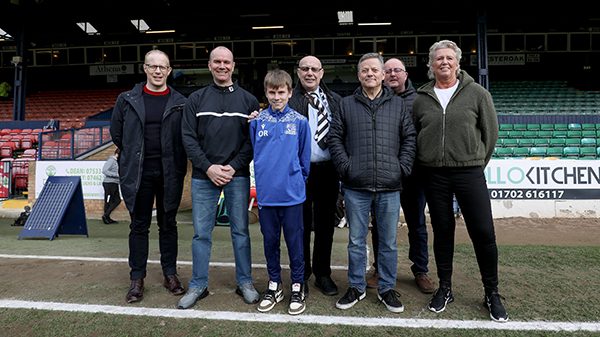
112, 197
470, 187
412, 200
319, 209
272, 220
151, 187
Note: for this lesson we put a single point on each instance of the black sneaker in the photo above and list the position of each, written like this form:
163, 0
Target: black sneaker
349, 299
494, 305
391, 299
439, 300
327, 286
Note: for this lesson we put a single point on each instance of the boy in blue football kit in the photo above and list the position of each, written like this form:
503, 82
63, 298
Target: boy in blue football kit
281, 140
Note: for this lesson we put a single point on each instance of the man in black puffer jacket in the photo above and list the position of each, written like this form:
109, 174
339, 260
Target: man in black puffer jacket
372, 144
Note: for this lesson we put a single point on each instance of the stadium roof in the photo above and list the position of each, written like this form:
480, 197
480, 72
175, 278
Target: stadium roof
53, 22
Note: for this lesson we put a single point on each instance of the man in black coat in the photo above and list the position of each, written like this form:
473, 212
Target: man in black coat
146, 127
322, 186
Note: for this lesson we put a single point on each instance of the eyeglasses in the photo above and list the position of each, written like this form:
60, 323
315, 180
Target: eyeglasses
153, 67
396, 70
313, 69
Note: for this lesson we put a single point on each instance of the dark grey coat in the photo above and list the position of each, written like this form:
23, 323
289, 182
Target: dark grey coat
372, 143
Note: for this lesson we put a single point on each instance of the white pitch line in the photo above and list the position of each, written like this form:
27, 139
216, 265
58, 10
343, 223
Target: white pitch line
304, 319
124, 260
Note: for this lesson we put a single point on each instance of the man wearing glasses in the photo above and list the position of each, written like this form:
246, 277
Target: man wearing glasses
322, 186
412, 197
146, 128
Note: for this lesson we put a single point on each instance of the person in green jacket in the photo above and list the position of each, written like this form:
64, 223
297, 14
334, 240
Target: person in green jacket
457, 129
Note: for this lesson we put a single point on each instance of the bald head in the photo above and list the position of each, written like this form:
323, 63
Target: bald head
310, 72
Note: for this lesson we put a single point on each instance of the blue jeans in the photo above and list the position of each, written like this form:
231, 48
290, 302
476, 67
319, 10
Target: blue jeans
387, 211
205, 196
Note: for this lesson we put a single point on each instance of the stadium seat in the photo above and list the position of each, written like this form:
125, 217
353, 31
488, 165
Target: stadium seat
537, 151
522, 152
554, 152
543, 142
559, 133
544, 134
546, 127
574, 133
510, 142
525, 142
572, 142
588, 134
571, 152
533, 126
503, 152
574, 126
588, 142
588, 127
558, 142
561, 127
506, 127
519, 127
587, 153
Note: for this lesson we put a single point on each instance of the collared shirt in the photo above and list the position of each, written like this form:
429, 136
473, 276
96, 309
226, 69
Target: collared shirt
316, 153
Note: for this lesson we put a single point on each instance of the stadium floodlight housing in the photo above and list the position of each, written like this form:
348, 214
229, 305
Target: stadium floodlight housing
345, 18
140, 25
88, 28
4, 35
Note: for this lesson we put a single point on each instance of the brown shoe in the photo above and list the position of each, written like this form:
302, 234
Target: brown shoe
424, 283
136, 291
373, 279
173, 285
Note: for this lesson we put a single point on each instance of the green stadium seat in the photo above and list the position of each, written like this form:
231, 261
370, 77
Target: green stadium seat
587, 153
572, 142
571, 152
503, 134
588, 134
533, 126
588, 126
503, 152
544, 133
522, 152
561, 127
506, 127
530, 134
574, 126
558, 142
543, 142
588, 142
519, 127
559, 134
515, 133
547, 127
598, 151
537, 151
574, 133
510, 142
554, 152
524, 142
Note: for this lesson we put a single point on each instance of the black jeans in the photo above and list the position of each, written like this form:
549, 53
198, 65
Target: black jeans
151, 187
319, 209
112, 197
470, 187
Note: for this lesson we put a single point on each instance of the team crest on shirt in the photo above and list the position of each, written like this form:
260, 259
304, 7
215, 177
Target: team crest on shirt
290, 129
